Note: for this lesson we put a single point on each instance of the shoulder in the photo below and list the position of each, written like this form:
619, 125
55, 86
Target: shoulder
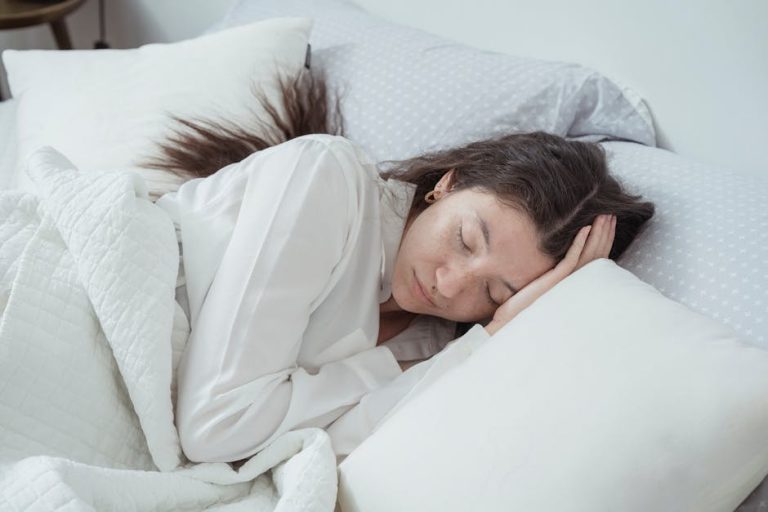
336, 144
342, 148
336, 155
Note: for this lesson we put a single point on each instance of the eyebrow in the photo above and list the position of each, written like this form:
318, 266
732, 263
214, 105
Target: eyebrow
487, 238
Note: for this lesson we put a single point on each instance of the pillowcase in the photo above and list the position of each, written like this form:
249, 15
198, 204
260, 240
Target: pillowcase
7, 143
105, 109
602, 395
406, 91
707, 244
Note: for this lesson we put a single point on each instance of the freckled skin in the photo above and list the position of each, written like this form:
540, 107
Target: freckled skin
431, 251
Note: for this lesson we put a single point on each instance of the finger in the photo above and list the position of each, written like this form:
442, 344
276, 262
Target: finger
611, 237
595, 240
606, 239
571, 259
605, 231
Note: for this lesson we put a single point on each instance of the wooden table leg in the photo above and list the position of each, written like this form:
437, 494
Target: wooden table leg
61, 34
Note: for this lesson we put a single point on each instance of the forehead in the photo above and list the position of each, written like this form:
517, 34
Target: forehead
513, 237
503, 221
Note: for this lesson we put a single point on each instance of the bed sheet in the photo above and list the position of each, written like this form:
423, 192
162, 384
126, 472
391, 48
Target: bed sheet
7, 142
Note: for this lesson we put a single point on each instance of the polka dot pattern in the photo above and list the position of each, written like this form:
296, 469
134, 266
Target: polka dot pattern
707, 244
406, 91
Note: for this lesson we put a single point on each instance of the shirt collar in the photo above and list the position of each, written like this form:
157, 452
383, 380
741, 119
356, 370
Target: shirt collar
395, 198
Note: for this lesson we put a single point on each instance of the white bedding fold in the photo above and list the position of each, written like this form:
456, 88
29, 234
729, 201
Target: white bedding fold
89, 320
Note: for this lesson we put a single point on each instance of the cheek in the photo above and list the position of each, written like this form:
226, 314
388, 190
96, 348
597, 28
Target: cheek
400, 277
411, 252
414, 253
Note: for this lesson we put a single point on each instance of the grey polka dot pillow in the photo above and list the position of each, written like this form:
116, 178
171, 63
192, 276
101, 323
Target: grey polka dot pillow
406, 91
707, 244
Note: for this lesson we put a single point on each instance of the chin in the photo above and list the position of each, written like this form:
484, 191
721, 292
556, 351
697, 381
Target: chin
406, 303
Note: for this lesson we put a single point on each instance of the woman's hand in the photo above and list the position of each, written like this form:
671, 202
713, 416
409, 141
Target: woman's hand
591, 242
600, 240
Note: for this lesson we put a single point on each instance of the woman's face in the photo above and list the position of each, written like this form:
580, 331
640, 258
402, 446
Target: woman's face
468, 253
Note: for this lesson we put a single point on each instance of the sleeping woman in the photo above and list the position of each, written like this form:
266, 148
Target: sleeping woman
319, 287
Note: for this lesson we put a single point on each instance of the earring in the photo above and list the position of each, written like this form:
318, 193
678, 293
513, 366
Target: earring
432, 196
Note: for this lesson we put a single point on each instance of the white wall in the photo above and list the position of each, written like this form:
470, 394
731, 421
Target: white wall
136, 22
701, 65
130, 23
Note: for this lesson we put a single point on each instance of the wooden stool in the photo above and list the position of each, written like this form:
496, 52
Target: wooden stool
26, 13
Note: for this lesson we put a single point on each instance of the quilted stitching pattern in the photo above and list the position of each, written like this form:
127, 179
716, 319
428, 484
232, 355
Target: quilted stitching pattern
53, 356
19, 224
90, 336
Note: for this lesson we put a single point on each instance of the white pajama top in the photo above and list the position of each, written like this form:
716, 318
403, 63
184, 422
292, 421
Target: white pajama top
285, 258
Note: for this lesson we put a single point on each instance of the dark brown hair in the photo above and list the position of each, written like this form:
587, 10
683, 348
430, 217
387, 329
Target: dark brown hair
562, 185
199, 147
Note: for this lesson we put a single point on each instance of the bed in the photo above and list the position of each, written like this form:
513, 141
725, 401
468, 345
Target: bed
705, 249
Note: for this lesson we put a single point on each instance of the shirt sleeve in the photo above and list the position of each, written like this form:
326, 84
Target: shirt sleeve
353, 427
239, 382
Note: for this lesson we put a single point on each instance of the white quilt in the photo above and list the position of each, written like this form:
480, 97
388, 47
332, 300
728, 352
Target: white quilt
90, 336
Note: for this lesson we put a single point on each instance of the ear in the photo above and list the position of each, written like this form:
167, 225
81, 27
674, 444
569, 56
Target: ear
446, 181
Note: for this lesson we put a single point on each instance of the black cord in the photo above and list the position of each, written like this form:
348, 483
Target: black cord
102, 42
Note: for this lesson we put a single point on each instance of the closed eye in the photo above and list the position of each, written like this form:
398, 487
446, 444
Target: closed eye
460, 238
466, 248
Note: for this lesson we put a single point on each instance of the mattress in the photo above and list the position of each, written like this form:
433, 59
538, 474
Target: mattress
7, 142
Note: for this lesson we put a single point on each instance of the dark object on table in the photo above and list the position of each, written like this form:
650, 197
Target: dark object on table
102, 41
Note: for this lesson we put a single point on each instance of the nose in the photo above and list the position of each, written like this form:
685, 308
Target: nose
452, 279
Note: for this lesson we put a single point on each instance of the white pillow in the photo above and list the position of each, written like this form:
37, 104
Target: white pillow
603, 395
406, 91
7, 143
105, 109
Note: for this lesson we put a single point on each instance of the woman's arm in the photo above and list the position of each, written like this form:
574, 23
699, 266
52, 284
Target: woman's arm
375, 407
239, 382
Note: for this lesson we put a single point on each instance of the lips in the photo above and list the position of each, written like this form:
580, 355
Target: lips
420, 292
